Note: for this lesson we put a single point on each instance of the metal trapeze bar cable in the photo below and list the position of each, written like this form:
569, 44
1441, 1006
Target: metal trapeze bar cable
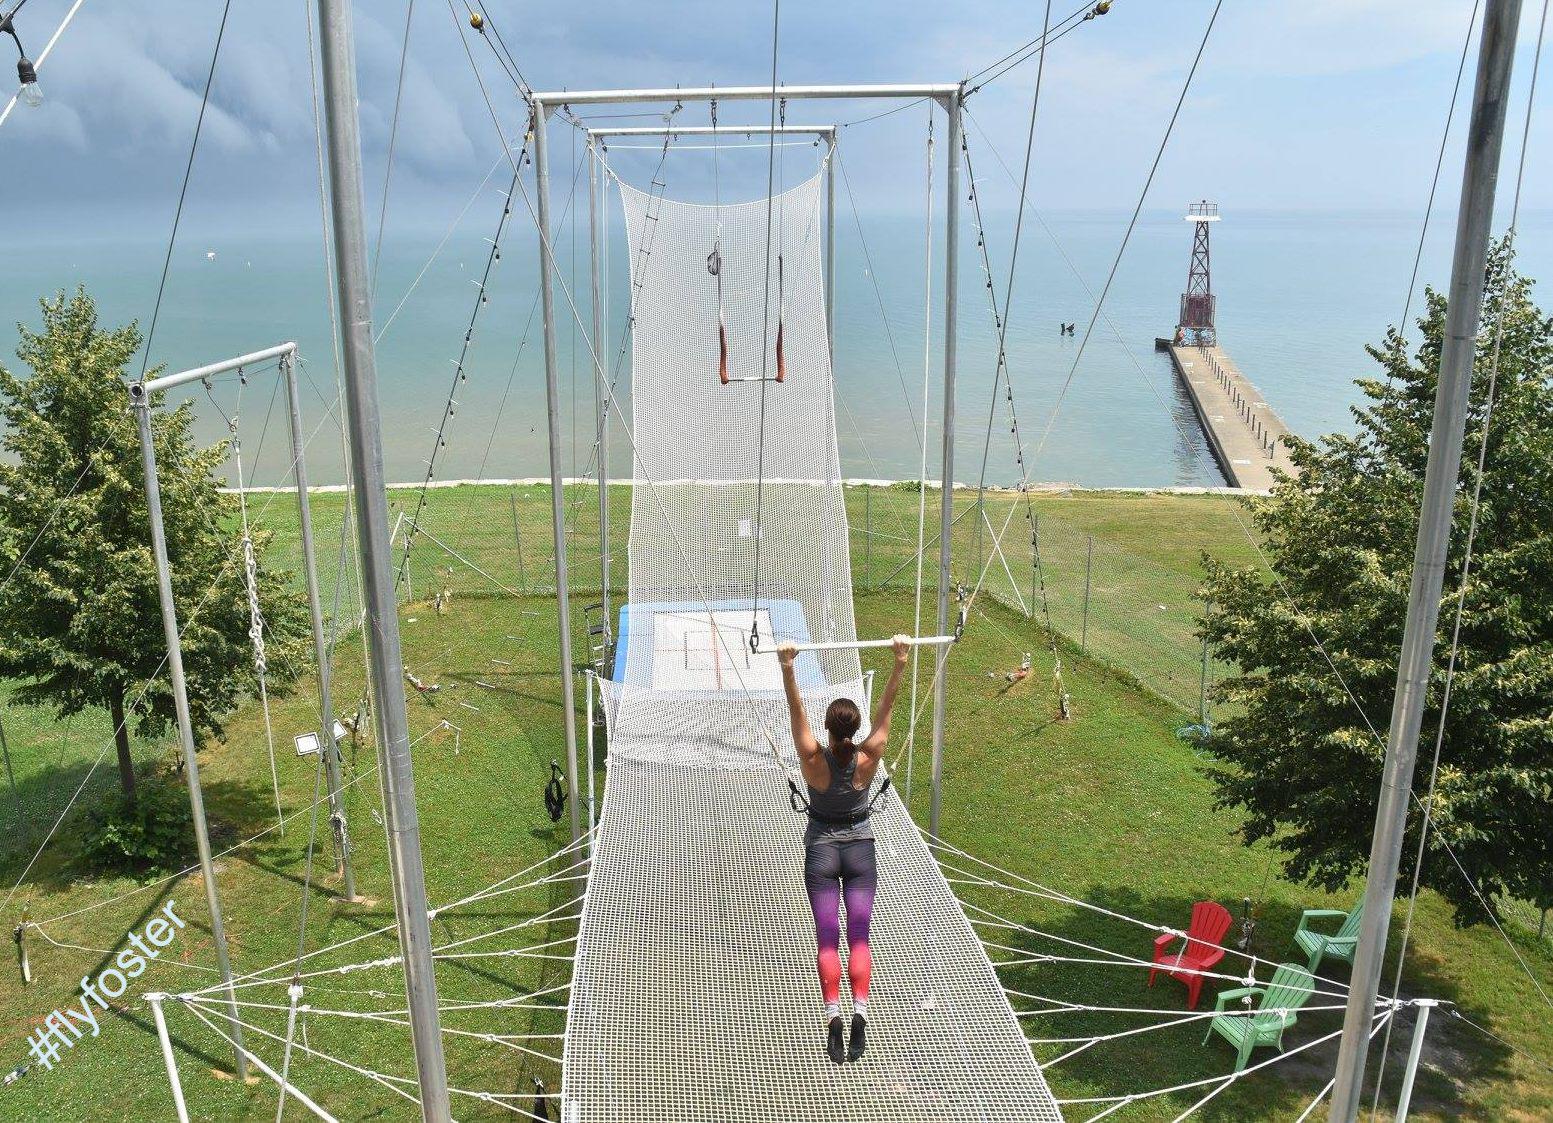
1148, 182
393, 136
1001, 369
765, 327
1036, 42
459, 376
1116, 262
183, 191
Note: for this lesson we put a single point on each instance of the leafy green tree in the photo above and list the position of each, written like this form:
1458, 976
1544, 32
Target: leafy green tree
80, 623
1295, 755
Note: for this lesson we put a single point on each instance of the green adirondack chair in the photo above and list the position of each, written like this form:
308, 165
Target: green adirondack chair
1288, 990
1339, 945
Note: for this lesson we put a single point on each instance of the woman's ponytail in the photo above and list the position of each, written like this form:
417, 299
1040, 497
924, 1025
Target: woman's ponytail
842, 721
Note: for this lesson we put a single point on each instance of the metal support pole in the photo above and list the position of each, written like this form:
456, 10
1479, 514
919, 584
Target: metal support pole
1202, 684
588, 677
396, 773
600, 407
1089, 565
11, 775
830, 252
557, 499
1490, 99
168, 1058
321, 653
1413, 1055
868, 531
946, 499
141, 401
517, 540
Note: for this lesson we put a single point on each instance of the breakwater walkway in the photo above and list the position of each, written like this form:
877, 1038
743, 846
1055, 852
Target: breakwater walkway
1246, 436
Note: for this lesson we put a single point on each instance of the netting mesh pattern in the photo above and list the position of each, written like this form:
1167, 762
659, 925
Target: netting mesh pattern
694, 994
708, 483
695, 997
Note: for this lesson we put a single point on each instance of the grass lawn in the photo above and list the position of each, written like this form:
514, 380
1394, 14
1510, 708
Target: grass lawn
1108, 807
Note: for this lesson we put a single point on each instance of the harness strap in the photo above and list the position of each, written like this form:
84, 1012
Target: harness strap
555, 796
800, 805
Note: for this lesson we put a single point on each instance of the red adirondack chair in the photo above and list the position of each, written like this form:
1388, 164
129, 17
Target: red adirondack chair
1199, 950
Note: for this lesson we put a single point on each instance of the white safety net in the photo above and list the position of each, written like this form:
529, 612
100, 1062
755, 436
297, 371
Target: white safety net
695, 997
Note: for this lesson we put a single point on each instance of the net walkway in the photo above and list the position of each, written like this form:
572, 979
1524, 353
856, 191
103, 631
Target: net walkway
694, 993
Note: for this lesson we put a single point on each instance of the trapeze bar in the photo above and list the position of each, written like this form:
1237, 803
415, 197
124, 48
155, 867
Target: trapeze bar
853, 645
739, 93
828, 131
168, 381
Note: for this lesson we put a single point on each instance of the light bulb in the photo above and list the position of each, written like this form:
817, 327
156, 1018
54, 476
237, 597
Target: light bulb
27, 74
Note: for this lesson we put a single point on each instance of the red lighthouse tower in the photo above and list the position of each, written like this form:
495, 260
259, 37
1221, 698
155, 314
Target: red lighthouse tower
1197, 301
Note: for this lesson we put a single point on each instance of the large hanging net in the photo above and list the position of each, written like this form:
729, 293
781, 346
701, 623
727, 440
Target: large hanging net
694, 993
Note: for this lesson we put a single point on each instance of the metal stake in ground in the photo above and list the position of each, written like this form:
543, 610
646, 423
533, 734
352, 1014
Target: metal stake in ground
372, 534
141, 401
1490, 99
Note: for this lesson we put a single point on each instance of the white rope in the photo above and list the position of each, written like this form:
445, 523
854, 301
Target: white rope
253, 978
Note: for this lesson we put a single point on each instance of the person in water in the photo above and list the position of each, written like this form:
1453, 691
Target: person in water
839, 842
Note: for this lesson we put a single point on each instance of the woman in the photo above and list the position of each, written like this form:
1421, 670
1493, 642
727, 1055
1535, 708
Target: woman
839, 842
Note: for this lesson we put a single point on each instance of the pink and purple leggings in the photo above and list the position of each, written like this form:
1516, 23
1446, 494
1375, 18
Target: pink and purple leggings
832, 869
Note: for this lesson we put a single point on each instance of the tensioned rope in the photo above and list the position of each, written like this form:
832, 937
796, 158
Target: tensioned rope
1148, 182
1434, 180
183, 191
393, 137
1000, 320
765, 322
1110, 278
460, 375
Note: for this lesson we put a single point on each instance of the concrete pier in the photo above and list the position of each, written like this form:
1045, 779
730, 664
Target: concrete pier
1246, 436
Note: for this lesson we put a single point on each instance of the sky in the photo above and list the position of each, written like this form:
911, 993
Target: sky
1319, 105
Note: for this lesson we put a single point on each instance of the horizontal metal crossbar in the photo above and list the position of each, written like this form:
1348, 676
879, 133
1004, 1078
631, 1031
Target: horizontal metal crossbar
548, 100
858, 644
717, 130
168, 381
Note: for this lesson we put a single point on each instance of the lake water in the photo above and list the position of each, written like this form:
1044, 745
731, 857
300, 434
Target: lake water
1299, 295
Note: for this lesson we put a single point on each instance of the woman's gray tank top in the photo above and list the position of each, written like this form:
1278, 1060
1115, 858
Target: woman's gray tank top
840, 812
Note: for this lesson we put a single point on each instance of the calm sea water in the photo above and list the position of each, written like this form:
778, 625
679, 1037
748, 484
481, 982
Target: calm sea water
1298, 296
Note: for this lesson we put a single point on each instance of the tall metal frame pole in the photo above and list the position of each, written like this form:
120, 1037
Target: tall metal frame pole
321, 653
1490, 100
553, 420
600, 403
946, 500
140, 400
396, 773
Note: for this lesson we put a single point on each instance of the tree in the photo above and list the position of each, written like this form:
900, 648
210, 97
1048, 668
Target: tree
80, 623
1295, 756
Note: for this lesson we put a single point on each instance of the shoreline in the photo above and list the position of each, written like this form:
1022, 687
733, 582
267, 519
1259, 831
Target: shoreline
1047, 488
